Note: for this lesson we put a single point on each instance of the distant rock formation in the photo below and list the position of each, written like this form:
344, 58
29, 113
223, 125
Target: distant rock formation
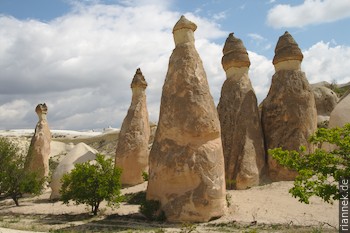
80, 153
39, 150
132, 149
241, 130
289, 114
341, 113
186, 160
325, 100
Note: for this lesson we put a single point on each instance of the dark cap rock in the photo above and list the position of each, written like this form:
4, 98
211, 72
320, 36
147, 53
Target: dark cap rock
287, 49
235, 53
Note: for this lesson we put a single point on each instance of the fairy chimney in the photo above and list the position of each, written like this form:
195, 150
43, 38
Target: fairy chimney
132, 148
241, 131
39, 150
186, 160
289, 114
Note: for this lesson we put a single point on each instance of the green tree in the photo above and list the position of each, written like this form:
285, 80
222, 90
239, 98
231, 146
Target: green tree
92, 182
14, 179
320, 171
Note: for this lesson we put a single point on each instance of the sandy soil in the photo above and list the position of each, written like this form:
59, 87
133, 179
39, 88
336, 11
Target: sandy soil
266, 208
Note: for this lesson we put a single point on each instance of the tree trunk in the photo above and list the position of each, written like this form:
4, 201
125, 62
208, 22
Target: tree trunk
15, 199
95, 208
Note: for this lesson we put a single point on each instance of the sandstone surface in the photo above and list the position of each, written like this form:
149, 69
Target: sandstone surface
39, 150
186, 159
241, 130
78, 154
132, 149
325, 100
289, 114
341, 113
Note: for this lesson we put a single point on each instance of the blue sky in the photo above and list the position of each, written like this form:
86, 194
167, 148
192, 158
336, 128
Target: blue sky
80, 56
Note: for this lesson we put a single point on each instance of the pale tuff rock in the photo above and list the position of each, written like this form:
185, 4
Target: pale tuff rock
132, 149
81, 153
241, 131
341, 113
289, 114
39, 150
186, 159
325, 100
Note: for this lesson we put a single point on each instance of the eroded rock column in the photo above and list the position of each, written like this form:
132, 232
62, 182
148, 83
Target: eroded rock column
241, 131
39, 150
132, 149
186, 160
289, 114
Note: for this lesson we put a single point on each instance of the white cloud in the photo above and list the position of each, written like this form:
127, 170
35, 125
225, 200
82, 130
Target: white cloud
15, 109
220, 15
260, 73
81, 64
259, 41
256, 36
309, 12
322, 62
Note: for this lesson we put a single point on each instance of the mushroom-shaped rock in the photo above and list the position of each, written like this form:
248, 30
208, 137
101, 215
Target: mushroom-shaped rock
186, 169
183, 31
80, 153
289, 114
287, 53
241, 131
39, 150
132, 148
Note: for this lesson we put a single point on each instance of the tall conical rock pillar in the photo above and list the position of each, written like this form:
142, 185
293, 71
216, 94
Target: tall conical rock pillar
132, 149
186, 160
241, 132
39, 150
289, 115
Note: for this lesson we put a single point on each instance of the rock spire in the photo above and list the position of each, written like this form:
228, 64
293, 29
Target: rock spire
186, 159
241, 131
132, 148
289, 114
39, 150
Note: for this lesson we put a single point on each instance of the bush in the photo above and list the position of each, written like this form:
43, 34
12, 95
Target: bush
151, 210
92, 182
14, 179
320, 171
145, 176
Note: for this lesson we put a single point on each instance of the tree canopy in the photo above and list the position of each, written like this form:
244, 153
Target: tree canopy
14, 179
320, 171
92, 182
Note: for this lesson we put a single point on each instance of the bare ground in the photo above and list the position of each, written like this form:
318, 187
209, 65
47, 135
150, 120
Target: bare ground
267, 208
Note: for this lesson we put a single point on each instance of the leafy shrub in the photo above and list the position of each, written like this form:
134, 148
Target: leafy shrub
92, 182
15, 180
151, 210
318, 172
145, 176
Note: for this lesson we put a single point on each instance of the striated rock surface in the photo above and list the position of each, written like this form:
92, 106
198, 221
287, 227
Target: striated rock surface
241, 130
39, 150
289, 114
325, 100
132, 149
186, 160
80, 153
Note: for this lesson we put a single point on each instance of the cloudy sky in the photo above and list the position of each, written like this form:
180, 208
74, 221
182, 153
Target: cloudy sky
80, 56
